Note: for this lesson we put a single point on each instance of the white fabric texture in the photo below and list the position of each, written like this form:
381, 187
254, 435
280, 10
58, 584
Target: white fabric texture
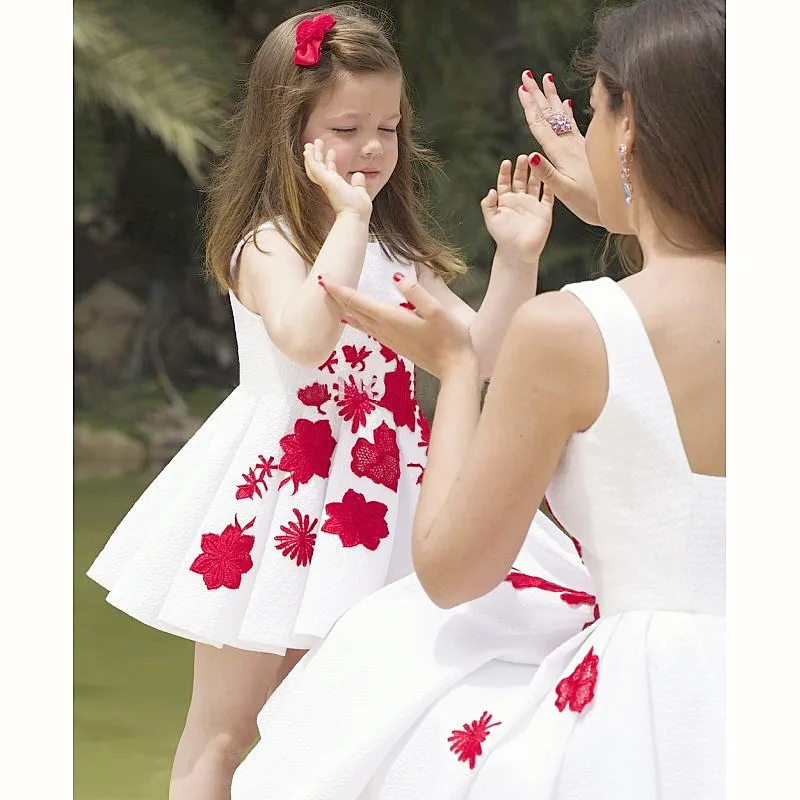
291, 503
525, 693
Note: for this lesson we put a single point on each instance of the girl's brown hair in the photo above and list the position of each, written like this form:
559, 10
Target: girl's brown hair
262, 177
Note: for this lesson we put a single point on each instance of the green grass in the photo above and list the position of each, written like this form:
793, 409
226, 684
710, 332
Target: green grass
131, 683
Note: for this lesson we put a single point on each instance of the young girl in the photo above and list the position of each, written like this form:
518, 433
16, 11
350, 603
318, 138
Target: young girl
295, 499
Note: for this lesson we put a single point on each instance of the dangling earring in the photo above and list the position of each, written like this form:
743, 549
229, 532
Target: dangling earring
625, 173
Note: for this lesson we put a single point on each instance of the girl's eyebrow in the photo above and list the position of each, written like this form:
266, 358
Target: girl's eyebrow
356, 115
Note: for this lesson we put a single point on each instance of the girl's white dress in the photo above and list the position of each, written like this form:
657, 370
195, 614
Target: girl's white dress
555, 685
293, 501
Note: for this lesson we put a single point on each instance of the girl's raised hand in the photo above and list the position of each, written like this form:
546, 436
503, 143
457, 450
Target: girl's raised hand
518, 213
344, 197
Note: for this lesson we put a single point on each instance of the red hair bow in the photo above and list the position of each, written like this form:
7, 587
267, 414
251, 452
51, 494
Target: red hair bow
309, 36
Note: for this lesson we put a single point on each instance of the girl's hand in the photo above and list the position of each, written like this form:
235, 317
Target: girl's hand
429, 336
344, 197
518, 214
567, 172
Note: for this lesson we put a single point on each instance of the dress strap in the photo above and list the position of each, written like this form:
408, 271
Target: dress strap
237, 251
635, 379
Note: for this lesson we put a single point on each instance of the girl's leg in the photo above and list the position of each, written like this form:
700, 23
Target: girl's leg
229, 689
290, 661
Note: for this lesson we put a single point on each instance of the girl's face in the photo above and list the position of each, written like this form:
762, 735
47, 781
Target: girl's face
359, 120
606, 132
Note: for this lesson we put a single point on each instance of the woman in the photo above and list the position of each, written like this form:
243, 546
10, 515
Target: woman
609, 397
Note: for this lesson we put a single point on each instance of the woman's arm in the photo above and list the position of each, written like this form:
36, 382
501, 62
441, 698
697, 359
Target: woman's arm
487, 473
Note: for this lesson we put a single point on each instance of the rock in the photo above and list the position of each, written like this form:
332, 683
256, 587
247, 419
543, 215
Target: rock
105, 318
106, 451
167, 430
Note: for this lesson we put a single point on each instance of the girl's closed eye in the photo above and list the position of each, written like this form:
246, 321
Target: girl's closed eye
343, 130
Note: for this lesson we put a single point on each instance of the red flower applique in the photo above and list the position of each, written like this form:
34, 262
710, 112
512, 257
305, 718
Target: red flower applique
379, 460
595, 617
572, 597
398, 397
577, 689
298, 543
387, 352
356, 358
225, 557
315, 396
332, 361
309, 36
467, 743
355, 403
254, 478
421, 471
356, 521
307, 451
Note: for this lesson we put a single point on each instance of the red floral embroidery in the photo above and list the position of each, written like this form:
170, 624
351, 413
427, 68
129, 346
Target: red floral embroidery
225, 557
398, 397
332, 361
595, 617
298, 543
577, 689
355, 403
356, 521
379, 460
467, 743
307, 451
421, 471
572, 597
254, 478
577, 546
356, 358
315, 396
389, 354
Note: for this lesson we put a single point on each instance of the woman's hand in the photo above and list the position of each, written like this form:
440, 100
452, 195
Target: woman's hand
427, 335
518, 214
344, 197
567, 172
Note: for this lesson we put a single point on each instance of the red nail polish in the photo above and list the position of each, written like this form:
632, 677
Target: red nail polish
551, 78
529, 74
524, 88
536, 159
569, 103
397, 277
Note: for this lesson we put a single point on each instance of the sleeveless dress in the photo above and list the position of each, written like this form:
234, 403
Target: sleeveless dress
291, 503
555, 685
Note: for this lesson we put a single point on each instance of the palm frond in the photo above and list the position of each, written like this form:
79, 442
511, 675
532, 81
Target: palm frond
167, 69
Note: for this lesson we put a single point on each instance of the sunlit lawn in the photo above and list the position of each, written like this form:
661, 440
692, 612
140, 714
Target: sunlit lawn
132, 683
